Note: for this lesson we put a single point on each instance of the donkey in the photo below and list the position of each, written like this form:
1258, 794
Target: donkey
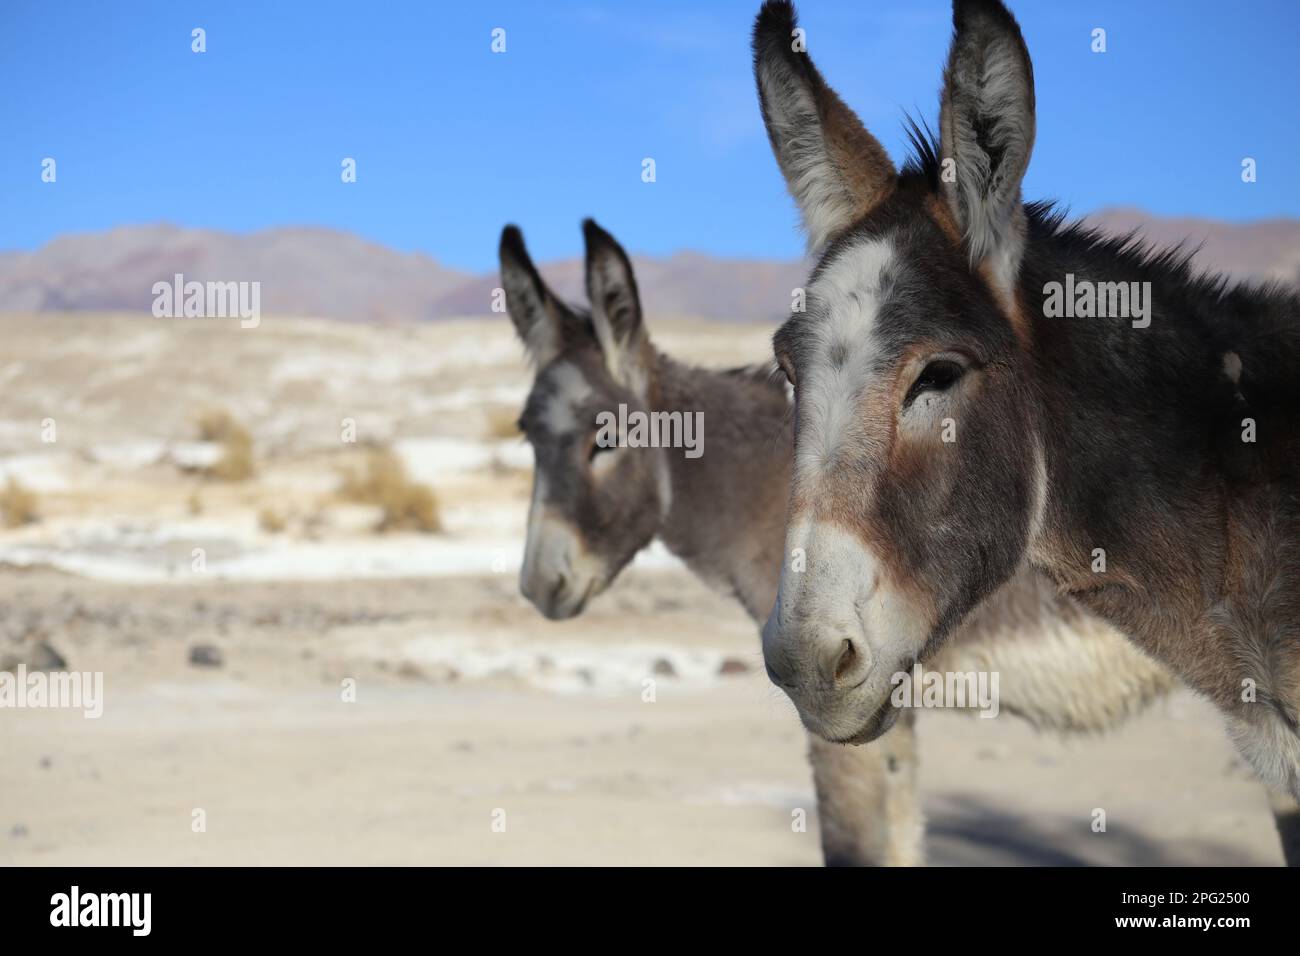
594, 507
951, 429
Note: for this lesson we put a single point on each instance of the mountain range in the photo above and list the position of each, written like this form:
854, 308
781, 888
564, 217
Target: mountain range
316, 271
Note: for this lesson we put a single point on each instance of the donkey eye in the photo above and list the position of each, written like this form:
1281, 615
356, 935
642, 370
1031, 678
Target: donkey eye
937, 376
783, 362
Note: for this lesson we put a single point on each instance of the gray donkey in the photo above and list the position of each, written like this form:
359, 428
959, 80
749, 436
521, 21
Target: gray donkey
595, 506
955, 427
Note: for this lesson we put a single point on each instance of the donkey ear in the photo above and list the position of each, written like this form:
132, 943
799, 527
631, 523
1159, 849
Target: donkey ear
834, 168
541, 319
986, 127
616, 308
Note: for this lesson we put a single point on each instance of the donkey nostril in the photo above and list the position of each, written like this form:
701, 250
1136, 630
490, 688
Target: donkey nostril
850, 664
848, 657
557, 589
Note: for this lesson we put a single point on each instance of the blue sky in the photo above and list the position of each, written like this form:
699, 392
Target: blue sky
452, 140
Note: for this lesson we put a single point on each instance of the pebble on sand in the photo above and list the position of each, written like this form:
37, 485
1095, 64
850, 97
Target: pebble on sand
206, 655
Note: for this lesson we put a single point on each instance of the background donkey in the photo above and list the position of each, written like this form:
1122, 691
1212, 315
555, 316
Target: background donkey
951, 427
594, 508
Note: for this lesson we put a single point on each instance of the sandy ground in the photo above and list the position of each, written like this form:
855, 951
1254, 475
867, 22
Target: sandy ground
414, 770
470, 710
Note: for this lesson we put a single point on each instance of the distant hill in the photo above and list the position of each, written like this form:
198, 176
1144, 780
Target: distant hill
309, 271
304, 271
1269, 249
688, 283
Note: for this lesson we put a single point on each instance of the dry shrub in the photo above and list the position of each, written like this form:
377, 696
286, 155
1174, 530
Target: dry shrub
236, 461
17, 505
271, 521
214, 424
383, 481
502, 422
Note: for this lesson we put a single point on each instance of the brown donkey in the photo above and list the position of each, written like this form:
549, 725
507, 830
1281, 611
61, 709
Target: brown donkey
594, 508
952, 428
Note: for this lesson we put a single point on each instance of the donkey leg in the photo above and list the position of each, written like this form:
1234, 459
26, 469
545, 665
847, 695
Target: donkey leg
1286, 814
867, 803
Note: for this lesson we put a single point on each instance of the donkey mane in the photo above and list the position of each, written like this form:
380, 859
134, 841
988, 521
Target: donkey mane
1258, 320
1048, 219
923, 160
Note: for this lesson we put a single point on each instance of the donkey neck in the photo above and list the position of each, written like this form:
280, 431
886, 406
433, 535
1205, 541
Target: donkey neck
1149, 476
726, 517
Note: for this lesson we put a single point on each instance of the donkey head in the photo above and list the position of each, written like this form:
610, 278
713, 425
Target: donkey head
915, 479
593, 507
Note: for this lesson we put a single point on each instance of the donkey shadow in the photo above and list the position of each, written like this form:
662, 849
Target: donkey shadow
970, 831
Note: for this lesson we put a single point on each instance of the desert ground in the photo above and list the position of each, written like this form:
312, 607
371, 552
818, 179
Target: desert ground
321, 685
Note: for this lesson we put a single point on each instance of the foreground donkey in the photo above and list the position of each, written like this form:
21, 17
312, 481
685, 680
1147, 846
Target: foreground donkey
950, 430
594, 508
